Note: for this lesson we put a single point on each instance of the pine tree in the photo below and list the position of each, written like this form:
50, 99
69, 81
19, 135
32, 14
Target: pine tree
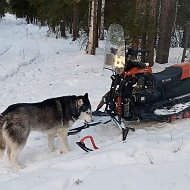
166, 23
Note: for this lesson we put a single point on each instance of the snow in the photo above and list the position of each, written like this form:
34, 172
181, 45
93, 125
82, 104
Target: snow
35, 67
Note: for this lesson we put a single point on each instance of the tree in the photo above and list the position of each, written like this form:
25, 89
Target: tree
151, 36
183, 14
75, 21
91, 44
102, 20
187, 39
186, 42
166, 22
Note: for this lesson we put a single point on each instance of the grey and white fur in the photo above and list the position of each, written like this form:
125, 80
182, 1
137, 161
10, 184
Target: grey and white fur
52, 116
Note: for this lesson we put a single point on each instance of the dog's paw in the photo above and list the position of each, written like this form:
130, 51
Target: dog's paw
64, 151
17, 165
21, 167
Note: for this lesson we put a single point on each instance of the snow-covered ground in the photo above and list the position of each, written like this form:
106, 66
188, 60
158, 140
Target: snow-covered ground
35, 67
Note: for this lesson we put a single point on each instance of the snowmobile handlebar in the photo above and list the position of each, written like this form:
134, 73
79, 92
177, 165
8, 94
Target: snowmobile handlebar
134, 52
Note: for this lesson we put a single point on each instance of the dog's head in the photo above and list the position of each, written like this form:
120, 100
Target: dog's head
84, 108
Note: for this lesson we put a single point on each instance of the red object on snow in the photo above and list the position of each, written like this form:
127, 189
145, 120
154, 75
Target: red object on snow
91, 139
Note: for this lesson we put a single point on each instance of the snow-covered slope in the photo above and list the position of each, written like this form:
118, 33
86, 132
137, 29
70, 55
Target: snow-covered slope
35, 67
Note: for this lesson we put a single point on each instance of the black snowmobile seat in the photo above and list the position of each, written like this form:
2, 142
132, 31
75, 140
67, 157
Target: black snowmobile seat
169, 75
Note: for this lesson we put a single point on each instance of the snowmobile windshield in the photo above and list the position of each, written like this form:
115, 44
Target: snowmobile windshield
115, 49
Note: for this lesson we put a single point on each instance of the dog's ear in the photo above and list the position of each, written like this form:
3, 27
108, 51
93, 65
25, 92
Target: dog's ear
80, 102
86, 96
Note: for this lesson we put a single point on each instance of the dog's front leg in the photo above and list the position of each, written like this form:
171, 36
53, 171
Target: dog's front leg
51, 138
62, 135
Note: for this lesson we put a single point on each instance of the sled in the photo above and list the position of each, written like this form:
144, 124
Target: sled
138, 94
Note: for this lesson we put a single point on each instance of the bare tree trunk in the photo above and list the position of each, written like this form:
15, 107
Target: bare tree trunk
143, 46
91, 44
62, 26
186, 41
95, 25
62, 29
167, 17
135, 34
71, 21
152, 31
98, 21
70, 27
75, 20
102, 21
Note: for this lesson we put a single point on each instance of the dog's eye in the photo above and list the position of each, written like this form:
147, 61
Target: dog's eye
87, 112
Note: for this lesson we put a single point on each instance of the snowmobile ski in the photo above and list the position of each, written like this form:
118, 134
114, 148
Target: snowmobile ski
82, 145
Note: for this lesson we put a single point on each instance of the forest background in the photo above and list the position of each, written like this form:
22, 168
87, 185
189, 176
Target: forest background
155, 25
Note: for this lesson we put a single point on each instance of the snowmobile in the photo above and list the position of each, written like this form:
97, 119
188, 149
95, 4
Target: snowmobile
138, 94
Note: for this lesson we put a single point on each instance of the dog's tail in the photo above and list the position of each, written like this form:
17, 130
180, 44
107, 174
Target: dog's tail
2, 140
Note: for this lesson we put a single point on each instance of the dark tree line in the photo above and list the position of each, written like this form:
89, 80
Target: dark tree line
156, 25
3, 6
59, 15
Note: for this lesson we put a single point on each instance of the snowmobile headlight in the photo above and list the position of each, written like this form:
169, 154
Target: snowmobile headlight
143, 98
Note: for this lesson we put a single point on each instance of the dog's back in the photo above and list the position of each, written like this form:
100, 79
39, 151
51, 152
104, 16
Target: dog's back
37, 116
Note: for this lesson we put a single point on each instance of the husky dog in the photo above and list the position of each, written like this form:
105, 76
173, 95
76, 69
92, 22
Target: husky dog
52, 116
